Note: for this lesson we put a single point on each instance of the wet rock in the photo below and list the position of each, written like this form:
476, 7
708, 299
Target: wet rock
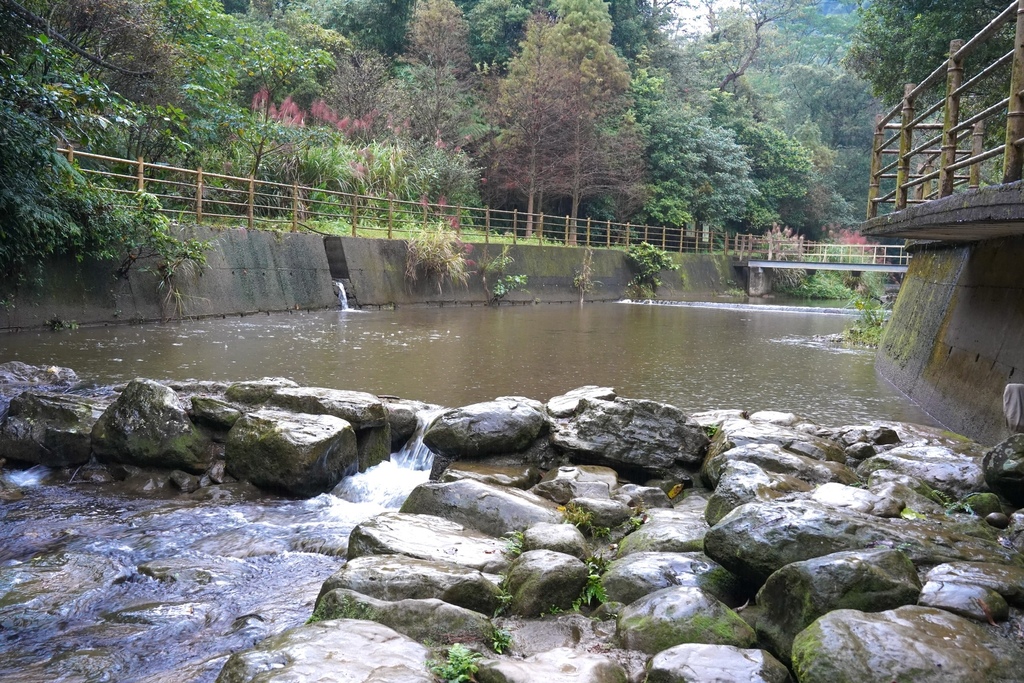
515, 476
561, 538
859, 451
774, 417
185, 482
393, 577
567, 482
504, 425
214, 413
716, 418
971, 601
373, 446
954, 474
906, 497
677, 531
906, 644
257, 391
983, 504
603, 513
302, 455
1004, 469
194, 570
744, 482
218, 472
493, 510
642, 497
773, 458
403, 418
146, 426
49, 429
568, 403
343, 649
1007, 580
698, 663
757, 539
682, 614
17, 373
540, 580
866, 580
997, 520
358, 408
736, 433
561, 665
856, 499
634, 576
631, 435
424, 620
428, 538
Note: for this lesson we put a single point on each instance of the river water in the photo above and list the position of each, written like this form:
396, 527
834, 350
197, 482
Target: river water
99, 583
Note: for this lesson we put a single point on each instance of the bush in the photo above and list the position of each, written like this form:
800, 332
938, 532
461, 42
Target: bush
824, 285
647, 261
440, 253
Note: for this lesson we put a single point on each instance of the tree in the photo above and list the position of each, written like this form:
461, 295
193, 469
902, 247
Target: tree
782, 172
496, 27
379, 25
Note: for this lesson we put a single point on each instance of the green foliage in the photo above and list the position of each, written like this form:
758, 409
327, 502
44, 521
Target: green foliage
824, 285
460, 666
870, 325
583, 277
593, 591
514, 543
501, 640
577, 516
438, 252
648, 261
345, 608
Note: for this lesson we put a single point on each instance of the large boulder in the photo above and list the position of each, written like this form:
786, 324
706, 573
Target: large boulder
744, 482
734, 433
493, 510
630, 578
297, 454
428, 538
974, 602
679, 530
424, 620
360, 409
394, 577
147, 427
699, 663
800, 592
1007, 580
632, 436
757, 539
257, 391
1004, 469
564, 483
340, 650
504, 425
677, 615
857, 499
49, 429
562, 538
911, 643
540, 580
955, 474
775, 459
561, 665
568, 403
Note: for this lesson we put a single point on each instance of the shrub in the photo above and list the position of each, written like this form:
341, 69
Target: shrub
439, 252
647, 261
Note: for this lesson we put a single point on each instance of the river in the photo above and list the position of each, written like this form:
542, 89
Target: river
98, 583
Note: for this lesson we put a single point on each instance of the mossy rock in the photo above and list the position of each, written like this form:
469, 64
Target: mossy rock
682, 614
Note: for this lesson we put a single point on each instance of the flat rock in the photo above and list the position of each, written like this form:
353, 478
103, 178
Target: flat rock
515, 476
643, 497
634, 576
1005, 579
857, 499
564, 483
360, 409
493, 510
699, 663
562, 538
428, 538
677, 615
775, 459
16, 373
954, 474
911, 643
967, 600
737, 432
338, 650
561, 665
257, 391
568, 403
676, 530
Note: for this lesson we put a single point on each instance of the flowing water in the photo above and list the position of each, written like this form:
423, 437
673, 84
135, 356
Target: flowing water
100, 583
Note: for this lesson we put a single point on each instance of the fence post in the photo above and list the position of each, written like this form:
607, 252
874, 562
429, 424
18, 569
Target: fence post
876, 167
951, 117
487, 225
906, 144
250, 202
391, 216
608, 234
71, 153
424, 214
628, 228
355, 216
199, 195
977, 147
515, 226
1013, 160
295, 206
645, 234
140, 175
664, 237
566, 229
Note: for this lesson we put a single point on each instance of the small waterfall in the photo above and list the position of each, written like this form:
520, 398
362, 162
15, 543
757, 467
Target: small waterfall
388, 484
33, 476
342, 295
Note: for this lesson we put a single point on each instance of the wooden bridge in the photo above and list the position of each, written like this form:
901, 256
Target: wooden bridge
947, 161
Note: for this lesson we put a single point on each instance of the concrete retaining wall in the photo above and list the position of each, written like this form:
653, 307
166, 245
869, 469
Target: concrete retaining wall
247, 272
956, 337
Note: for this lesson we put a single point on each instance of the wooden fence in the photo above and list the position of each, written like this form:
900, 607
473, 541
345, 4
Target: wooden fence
935, 151
771, 248
203, 197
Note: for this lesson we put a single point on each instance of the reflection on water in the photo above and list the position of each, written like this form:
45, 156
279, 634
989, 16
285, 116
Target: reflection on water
694, 357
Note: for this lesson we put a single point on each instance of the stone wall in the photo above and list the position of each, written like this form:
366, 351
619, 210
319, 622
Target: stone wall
956, 337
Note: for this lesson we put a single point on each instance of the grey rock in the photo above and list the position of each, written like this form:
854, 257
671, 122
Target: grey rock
49, 429
14, 373
540, 580
564, 483
736, 433
568, 403
698, 663
561, 665
682, 614
185, 482
679, 530
1004, 469
634, 576
1005, 579
967, 600
561, 538
642, 497
515, 476
774, 458
857, 499
941, 468
493, 510
603, 512
214, 413
744, 482
257, 391
504, 425
360, 409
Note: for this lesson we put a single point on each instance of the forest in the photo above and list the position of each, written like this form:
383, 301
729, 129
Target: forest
748, 115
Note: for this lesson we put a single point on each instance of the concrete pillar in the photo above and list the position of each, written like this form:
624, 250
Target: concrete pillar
759, 281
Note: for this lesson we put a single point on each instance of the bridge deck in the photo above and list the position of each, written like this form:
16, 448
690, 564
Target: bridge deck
985, 213
817, 265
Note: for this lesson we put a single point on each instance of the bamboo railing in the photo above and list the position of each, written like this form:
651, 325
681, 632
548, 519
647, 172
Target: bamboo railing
213, 198
930, 151
769, 248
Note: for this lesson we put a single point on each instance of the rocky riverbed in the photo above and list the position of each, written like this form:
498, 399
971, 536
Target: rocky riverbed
591, 537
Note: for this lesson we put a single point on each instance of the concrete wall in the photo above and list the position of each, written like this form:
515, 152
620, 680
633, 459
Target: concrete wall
247, 272
376, 272
956, 337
